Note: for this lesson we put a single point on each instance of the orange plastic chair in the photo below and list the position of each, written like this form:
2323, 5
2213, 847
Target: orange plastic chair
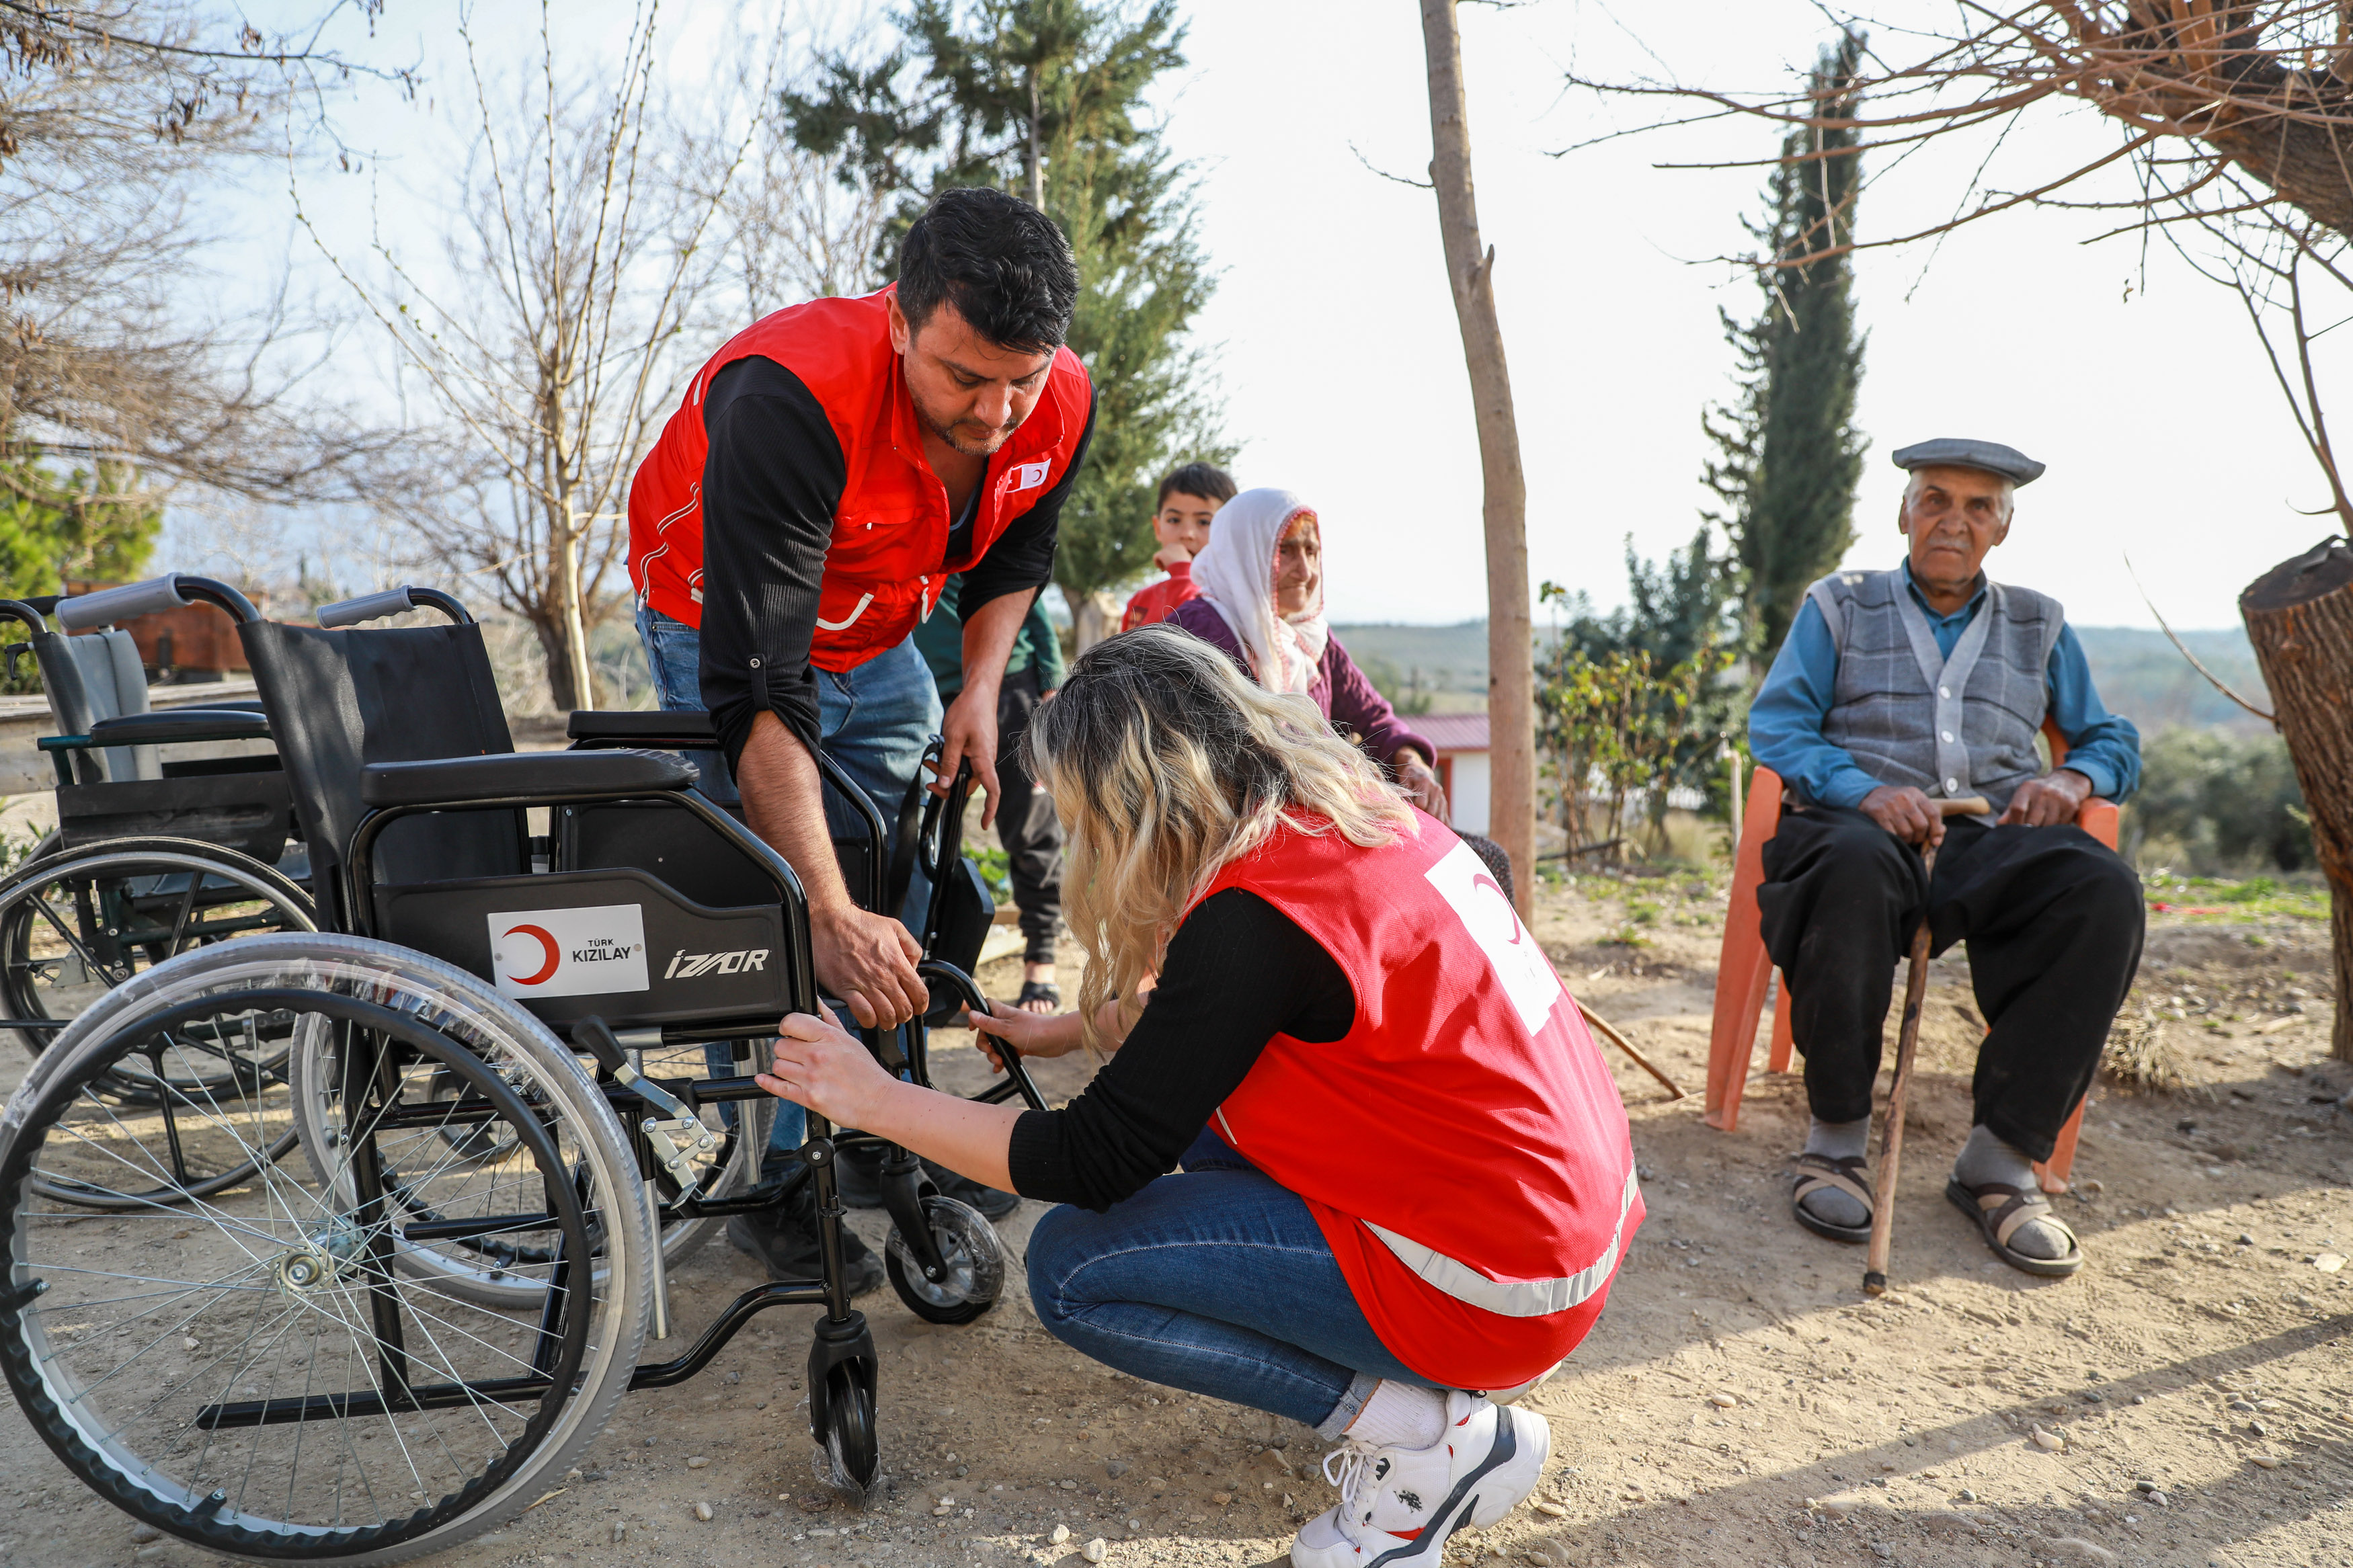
1745, 967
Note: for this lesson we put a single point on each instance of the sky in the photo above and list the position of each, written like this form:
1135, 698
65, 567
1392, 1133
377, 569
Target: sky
1334, 342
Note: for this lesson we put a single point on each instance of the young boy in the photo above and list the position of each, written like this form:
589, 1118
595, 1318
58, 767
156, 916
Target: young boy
1189, 498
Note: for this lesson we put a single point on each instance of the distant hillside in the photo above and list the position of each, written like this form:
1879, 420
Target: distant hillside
2138, 672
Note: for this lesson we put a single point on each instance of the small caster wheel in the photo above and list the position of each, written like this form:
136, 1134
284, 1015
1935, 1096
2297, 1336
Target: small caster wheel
975, 1272
851, 1450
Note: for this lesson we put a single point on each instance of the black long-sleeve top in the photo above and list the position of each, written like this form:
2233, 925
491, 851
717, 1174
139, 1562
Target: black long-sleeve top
772, 481
1237, 973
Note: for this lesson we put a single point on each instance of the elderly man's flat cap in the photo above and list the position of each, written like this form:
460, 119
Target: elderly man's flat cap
1953, 452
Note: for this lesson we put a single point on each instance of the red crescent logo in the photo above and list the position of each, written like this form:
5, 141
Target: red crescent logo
1482, 879
555, 955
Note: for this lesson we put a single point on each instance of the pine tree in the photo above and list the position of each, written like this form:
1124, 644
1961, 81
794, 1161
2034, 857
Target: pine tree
1045, 99
1789, 456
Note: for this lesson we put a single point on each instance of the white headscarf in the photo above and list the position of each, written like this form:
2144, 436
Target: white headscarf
1235, 571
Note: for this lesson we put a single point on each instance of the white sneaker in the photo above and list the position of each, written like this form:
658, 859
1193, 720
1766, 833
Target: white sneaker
1400, 1506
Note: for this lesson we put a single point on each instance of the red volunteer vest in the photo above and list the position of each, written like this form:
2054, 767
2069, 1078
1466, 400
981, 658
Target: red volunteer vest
1463, 1148
887, 560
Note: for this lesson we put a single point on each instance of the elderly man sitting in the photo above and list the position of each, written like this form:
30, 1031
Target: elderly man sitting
1894, 690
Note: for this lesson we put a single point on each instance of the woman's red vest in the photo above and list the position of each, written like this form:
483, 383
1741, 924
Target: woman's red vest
887, 562
1464, 1147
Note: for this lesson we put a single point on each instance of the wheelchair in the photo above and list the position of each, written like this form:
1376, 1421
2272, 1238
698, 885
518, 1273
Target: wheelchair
398, 1338
150, 856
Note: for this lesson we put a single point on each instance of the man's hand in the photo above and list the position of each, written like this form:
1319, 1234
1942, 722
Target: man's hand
869, 961
2049, 801
1420, 783
817, 1063
1906, 812
971, 732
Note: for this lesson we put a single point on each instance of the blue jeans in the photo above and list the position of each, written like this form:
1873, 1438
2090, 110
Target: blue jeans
674, 655
873, 720
1219, 1281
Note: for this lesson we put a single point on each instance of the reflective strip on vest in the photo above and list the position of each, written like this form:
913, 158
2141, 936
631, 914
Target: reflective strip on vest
1512, 1298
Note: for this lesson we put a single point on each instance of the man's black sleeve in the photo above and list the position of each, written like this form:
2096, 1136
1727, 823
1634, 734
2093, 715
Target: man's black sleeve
1238, 972
1022, 559
771, 484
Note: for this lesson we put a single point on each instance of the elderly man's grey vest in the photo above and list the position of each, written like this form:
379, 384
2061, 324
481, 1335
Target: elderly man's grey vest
1908, 715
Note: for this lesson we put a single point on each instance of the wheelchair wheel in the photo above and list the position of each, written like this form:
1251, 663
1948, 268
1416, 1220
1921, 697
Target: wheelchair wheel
510, 1272
253, 1374
75, 922
974, 1275
853, 1452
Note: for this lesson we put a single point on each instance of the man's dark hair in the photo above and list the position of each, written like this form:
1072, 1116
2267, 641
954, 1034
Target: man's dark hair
1498, 862
999, 260
1207, 481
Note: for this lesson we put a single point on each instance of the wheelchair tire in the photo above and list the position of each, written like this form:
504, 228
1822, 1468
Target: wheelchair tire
221, 1374
968, 1244
36, 951
852, 1448
63, 916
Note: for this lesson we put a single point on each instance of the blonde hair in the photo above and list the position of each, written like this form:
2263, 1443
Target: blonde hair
1166, 764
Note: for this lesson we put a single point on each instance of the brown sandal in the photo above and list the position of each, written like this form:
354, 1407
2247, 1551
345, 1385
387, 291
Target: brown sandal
2000, 1209
1819, 1172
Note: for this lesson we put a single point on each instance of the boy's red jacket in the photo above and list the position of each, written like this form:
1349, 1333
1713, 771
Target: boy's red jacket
1155, 602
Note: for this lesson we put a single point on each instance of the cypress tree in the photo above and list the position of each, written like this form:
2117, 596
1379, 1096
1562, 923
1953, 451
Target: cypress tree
1788, 454
1045, 99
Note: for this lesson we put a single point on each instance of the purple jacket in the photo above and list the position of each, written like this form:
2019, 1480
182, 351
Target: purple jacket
1340, 689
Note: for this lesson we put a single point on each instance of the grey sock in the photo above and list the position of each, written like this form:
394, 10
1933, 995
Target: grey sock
1838, 1141
1986, 1158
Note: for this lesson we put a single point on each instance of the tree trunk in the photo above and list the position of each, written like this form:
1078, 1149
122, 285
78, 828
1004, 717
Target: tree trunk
1093, 617
1510, 672
1037, 170
2299, 616
571, 679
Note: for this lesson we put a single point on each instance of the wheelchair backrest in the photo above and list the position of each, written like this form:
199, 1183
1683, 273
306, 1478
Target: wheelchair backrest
341, 699
97, 676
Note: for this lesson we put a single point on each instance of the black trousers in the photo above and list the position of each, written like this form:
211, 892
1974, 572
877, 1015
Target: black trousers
2054, 922
1026, 825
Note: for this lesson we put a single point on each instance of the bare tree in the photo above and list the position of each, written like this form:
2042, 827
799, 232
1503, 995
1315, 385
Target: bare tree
116, 121
2235, 146
1469, 272
550, 345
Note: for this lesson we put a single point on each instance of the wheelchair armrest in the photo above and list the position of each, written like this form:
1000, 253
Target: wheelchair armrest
169, 725
647, 727
523, 775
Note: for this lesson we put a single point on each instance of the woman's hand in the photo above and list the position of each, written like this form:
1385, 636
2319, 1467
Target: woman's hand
820, 1065
1032, 1034
1421, 785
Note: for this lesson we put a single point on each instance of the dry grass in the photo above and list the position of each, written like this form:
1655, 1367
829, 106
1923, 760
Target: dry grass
2142, 1058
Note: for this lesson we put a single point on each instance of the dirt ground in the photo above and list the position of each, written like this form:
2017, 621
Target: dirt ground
1740, 1402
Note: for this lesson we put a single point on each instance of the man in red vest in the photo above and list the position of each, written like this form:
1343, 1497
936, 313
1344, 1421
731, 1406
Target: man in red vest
827, 471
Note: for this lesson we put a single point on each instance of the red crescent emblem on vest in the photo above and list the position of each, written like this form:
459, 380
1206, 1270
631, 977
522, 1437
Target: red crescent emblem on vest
555, 954
1484, 881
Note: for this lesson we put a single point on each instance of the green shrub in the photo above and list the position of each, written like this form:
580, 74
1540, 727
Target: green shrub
2211, 802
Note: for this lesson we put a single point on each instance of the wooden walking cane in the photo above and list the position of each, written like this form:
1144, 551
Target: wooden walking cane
1907, 1043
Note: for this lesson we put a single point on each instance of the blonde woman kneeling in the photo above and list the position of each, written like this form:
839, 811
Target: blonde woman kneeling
1415, 1179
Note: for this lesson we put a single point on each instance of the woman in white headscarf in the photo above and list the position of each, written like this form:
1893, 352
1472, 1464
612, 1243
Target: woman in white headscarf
1261, 600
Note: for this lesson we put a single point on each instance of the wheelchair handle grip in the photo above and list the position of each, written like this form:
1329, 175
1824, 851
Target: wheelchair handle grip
171, 591
392, 601
367, 608
110, 605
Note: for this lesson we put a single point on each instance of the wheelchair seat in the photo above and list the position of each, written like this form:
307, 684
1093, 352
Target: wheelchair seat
523, 775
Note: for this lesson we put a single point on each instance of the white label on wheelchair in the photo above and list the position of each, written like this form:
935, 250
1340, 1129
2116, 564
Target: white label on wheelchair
1463, 880
569, 953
